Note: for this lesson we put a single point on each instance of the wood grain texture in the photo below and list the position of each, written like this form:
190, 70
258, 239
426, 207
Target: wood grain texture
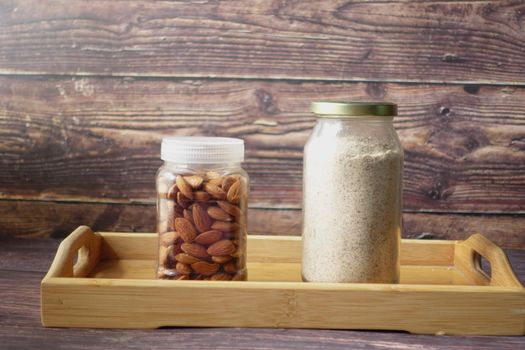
43, 219
285, 249
86, 144
480, 41
58, 219
467, 258
22, 267
98, 139
138, 303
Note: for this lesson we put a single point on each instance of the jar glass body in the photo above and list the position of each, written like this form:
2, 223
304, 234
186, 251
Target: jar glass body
352, 201
201, 221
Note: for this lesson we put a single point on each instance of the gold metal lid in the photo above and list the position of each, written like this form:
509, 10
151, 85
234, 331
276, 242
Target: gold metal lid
344, 109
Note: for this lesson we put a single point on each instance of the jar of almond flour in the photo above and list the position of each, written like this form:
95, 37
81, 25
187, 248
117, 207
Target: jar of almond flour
202, 194
353, 164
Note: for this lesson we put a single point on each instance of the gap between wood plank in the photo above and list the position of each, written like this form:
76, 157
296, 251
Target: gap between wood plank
152, 203
255, 78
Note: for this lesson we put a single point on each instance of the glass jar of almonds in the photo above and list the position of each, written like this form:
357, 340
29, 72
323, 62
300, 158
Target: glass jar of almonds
202, 196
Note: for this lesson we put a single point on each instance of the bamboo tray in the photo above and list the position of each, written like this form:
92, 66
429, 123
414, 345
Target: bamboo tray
106, 280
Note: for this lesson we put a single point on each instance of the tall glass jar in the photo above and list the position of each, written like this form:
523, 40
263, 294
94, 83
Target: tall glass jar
352, 189
201, 209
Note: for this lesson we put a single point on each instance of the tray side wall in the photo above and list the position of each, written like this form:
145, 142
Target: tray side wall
151, 304
282, 249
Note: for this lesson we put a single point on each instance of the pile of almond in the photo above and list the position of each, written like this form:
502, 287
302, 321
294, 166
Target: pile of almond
202, 228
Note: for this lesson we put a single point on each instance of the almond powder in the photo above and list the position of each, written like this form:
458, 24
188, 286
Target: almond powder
352, 204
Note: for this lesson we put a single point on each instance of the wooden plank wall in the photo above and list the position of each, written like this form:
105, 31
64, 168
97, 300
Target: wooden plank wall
89, 88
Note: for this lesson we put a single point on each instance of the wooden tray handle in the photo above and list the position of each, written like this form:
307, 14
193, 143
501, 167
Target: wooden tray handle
83, 244
477, 246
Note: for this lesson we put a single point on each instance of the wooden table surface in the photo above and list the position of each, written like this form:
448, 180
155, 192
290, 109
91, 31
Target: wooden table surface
24, 262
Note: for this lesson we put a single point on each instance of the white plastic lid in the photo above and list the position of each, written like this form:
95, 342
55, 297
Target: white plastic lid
206, 150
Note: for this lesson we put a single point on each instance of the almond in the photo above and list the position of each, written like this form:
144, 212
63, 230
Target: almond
215, 191
212, 175
172, 192
208, 237
217, 181
195, 250
194, 181
183, 269
185, 229
200, 218
205, 268
219, 214
186, 213
234, 193
225, 226
238, 253
168, 238
221, 259
186, 258
230, 267
221, 276
239, 277
184, 186
231, 209
227, 182
201, 196
183, 277
182, 200
223, 247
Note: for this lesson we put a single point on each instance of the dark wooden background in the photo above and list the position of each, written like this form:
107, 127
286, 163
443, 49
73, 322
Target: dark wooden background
89, 88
